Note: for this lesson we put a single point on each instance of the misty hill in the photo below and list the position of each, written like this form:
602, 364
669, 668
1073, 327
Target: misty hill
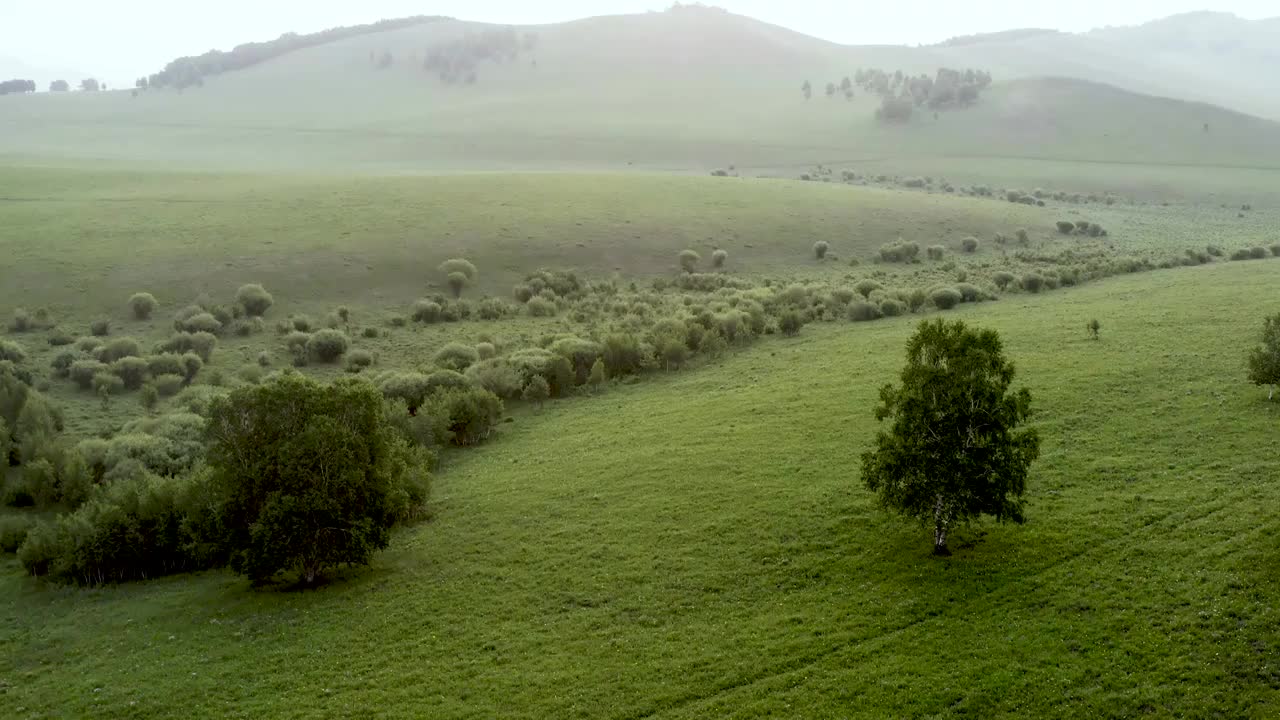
694, 89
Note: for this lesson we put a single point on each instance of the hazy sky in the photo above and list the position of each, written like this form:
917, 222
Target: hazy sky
123, 39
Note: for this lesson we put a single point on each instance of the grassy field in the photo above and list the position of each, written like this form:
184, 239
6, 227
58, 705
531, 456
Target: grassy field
699, 546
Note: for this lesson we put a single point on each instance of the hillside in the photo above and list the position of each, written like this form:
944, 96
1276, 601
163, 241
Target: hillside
699, 546
677, 91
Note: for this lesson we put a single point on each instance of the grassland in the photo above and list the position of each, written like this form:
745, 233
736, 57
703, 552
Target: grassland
717, 557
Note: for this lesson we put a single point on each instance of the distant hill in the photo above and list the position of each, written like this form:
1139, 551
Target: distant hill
689, 90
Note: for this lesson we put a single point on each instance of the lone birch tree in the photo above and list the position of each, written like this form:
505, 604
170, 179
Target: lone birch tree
954, 450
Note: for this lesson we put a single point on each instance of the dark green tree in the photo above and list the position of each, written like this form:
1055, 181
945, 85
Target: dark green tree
954, 451
1264, 360
310, 475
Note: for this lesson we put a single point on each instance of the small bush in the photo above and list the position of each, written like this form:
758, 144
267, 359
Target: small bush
456, 356
201, 322
969, 244
540, 307
498, 377
917, 300
426, 311
689, 260
359, 360
1033, 282
1066, 227
82, 372
168, 385
468, 415
118, 348
142, 305
1258, 253
370, 333
327, 345
1242, 254
13, 532
1275, 250
900, 253
866, 287
718, 258
22, 321
132, 371
790, 323
536, 391
820, 249
936, 252
946, 298
12, 351
1003, 279
60, 338
969, 293
100, 328
890, 307
485, 350
1023, 237
62, 364
459, 265
863, 311
522, 293
106, 384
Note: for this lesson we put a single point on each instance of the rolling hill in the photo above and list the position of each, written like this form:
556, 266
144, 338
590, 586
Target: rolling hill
674, 91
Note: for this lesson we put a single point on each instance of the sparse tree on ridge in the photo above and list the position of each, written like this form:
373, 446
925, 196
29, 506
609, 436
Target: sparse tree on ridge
954, 450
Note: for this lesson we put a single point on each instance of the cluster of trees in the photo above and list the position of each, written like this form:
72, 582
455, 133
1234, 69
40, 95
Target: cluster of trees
459, 61
187, 72
10, 87
902, 94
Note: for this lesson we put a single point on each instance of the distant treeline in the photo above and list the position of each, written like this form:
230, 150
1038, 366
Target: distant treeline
8, 87
460, 60
191, 71
1003, 36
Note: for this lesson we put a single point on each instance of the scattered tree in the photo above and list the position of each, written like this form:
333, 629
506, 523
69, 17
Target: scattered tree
1094, 328
689, 260
1264, 360
719, 256
820, 249
954, 450
142, 304
254, 299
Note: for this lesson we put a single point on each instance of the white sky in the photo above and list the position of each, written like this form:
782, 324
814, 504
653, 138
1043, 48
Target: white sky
123, 39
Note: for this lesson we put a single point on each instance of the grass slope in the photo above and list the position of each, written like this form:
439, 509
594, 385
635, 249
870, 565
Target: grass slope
685, 91
699, 546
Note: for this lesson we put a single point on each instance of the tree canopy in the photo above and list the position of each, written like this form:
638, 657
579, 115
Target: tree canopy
953, 451
313, 475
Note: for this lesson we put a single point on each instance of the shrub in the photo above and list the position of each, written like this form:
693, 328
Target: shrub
689, 260
581, 354
1242, 254
820, 249
149, 397
327, 345
890, 307
82, 372
468, 415
62, 364
790, 323
426, 311
118, 348
13, 532
497, 376
459, 265
1032, 282
1258, 253
936, 252
369, 333
132, 371
969, 244
946, 298
359, 360
901, 252
1066, 227
537, 391
1003, 279
457, 283
1023, 237
106, 384
540, 307
866, 287
60, 338
485, 350
969, 293
142, 305
100, 328
12, 352
718, 258
493, 309
21, 322
200, 343
917, 300
522, 293
598, 374
863, 311
201, 322
168, 385
456, 356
